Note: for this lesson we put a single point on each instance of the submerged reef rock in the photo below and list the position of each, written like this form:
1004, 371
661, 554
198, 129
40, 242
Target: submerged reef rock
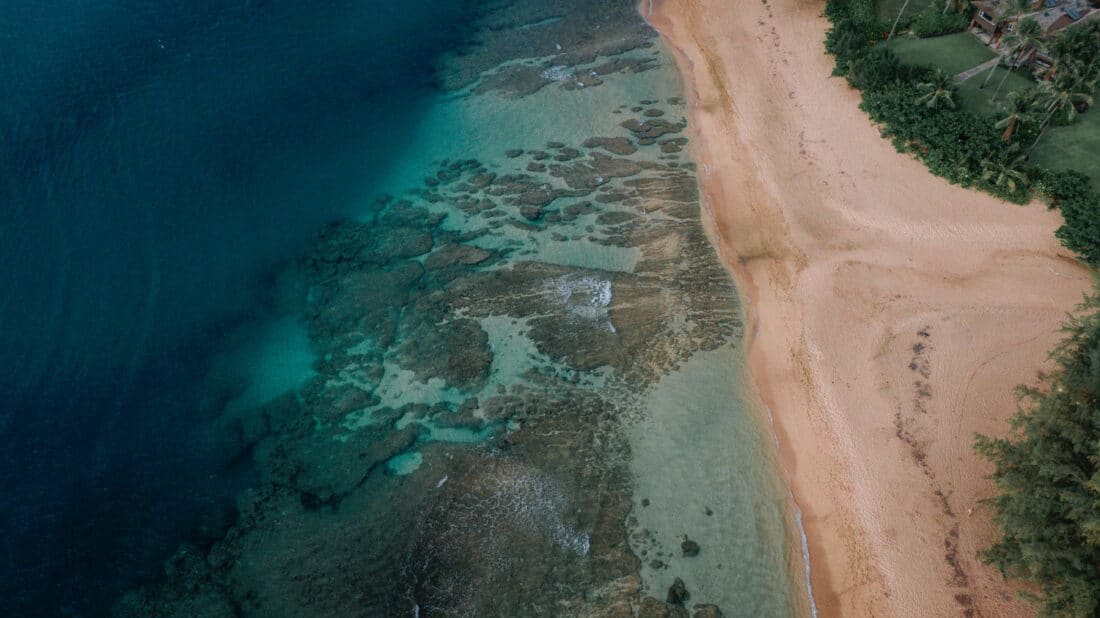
455, 350
482, 344
572, 42
614, 145
690, 548
653, 608
677, 592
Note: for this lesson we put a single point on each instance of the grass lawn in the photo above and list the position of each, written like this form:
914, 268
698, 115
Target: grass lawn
1075, 147
972, 98
888, 9
954, 53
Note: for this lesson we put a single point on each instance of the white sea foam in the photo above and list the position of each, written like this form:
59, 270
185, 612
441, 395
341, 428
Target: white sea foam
535, 502
584, 296
557, 73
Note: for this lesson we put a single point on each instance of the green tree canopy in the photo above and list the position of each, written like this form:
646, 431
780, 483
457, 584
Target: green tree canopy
1006, 171
1023, 108
1048, 481
939, 91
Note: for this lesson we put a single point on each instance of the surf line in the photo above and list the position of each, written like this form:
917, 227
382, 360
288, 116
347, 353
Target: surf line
804, 542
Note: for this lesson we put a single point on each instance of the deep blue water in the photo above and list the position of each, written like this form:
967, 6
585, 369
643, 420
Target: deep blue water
156, 159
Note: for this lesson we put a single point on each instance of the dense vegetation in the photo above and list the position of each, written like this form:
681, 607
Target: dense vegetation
1049, 500
1048, 468
931, 21
917, 110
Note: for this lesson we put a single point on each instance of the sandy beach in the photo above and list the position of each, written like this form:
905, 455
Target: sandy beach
891, 313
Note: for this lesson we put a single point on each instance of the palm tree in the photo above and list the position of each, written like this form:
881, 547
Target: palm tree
1062, 48
1023, 108
1007, 172
939, 89
1071, 86
896, 20
1013, 11
1027, 38
1000, 60
1076, 44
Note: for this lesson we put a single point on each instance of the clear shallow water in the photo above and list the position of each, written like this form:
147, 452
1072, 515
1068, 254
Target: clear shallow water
704, 472
442, 393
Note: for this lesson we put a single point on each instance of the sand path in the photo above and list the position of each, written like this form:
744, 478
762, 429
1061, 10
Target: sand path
891, 313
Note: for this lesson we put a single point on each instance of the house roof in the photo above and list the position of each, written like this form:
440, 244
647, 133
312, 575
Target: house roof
1052, 15
1065, 13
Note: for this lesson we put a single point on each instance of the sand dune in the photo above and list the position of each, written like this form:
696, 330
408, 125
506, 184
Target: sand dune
892, 313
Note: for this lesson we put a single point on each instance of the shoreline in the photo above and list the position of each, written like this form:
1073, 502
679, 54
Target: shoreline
889, 313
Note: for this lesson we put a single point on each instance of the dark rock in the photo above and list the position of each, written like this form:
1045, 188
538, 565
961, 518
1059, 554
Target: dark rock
645, 501
678, 593
651, 129
536, 167
453, 254
621, 65
672, 144
611, 196
567, 154
404, 213
587, 175
368, 302
652, 608
615, 217
616, 145
555, 145
513, 153
690, 548
573, 211
480, 181
653, 113
536, 198
531, 213
457, 351
656, 564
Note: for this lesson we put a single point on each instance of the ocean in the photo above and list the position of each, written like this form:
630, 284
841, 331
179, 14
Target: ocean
355, 308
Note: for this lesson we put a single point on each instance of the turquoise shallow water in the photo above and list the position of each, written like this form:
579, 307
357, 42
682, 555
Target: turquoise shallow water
504, 380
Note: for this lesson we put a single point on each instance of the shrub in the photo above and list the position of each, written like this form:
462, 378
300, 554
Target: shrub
854, 29
1071, 193
932, 21
875, 68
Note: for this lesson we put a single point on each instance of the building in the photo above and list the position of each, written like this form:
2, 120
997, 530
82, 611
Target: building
995, 18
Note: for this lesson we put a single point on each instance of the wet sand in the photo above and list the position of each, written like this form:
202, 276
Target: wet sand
890, 313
